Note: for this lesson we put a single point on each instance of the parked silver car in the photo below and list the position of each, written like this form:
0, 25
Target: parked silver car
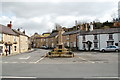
111, 48
44, 47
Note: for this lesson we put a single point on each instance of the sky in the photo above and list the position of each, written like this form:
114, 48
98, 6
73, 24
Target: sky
41, 15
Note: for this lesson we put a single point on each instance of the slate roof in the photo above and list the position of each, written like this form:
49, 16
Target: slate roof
20, 33
95, 31
71, 32
47, 33
52, 35
101, 31
40, 37
65, 33
6, 30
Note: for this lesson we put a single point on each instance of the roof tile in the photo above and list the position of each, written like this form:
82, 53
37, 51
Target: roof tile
6, 30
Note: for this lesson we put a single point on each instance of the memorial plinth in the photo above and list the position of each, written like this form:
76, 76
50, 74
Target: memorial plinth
60, 50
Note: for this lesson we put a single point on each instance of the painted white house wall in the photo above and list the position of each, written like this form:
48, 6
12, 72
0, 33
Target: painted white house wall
80, 42
115, 37
89, 38
119, 39
102, 40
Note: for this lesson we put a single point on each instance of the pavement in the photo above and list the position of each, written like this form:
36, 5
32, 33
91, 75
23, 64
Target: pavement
18, 53
83, 65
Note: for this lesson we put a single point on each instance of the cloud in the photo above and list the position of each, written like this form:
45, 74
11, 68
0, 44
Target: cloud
27, 10
41, 16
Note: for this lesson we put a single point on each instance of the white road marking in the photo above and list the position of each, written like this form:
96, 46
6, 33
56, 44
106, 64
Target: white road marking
31, 62
25, 57
105, 77
82, 58
15, 77
14, 62
46, 63
39, 60
17, 62
5, 62
86, 60
23, 62
9, 62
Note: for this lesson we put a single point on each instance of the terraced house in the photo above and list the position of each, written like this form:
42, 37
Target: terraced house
99, 38
33, 40
38, 41
8, 39
52, 40
70, 39
12, 41
23, 40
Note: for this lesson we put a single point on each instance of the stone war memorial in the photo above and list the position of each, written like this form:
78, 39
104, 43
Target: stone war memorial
60, 50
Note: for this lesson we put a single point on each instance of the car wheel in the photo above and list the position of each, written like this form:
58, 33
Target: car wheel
103, 50
117, 50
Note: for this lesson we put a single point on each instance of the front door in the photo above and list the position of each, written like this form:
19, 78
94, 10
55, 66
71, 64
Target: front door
9, 49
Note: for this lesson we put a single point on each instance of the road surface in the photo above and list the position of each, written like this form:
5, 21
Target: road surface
83, 65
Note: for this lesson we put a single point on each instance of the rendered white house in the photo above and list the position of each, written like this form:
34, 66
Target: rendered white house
98, 38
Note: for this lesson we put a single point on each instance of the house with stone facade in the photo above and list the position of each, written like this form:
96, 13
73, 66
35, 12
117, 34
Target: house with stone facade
11, 40
70, 36
8, 40
70, 39
38, 41
33, 40
52, 40
23, 40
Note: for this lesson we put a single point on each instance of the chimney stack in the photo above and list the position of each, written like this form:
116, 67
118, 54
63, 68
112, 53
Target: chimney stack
10, 25
18, 29
91, 26
76, 23
81, 27
86, 27
24, 31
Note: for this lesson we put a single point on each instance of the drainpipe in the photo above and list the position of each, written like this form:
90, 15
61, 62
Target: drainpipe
2, 45
69, 42
77, 41
19, 44
99, 41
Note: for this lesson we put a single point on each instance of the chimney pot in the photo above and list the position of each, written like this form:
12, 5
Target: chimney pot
24, 31
10, 25
86, 27
18, 29
10, 22
91, 26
